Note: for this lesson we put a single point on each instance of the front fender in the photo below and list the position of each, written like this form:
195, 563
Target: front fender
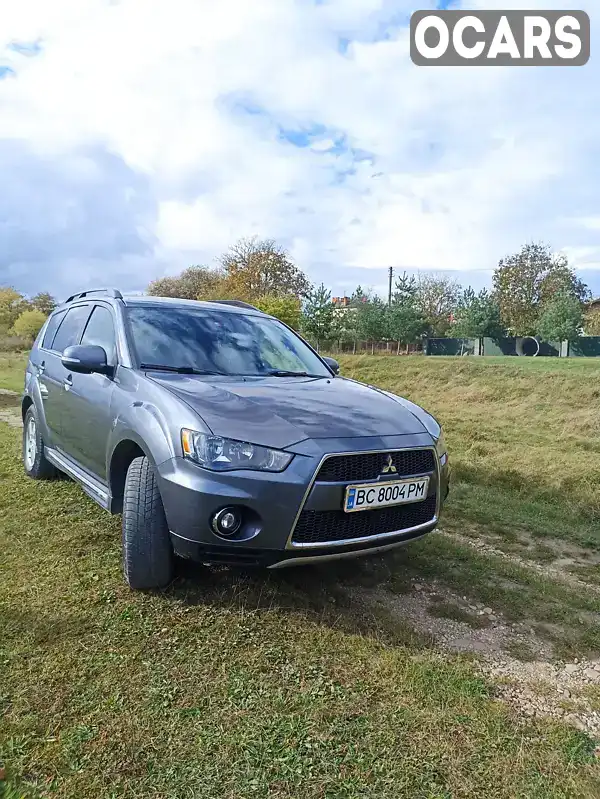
145, 425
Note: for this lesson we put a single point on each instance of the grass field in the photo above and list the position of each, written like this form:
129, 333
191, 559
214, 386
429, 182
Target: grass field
234, 684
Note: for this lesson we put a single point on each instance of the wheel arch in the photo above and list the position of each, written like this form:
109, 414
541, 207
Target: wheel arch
26, 404
123, 454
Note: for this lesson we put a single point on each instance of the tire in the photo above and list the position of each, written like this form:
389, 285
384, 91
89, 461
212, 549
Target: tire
148, 560
37, 466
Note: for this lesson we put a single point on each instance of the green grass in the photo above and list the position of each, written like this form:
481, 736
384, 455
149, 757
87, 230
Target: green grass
12, 371
238, 684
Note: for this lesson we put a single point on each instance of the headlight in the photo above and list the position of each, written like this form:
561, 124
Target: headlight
440, 448
223, 454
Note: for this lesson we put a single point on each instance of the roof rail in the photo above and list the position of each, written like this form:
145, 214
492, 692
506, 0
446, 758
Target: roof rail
237, 303
114, 293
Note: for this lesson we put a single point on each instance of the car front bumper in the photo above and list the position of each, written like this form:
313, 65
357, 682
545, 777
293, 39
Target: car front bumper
273, 504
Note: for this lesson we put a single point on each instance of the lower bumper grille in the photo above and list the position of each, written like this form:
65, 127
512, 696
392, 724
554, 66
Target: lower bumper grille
321, 527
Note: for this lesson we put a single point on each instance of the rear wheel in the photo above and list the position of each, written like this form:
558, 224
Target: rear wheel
147, 549
36, 464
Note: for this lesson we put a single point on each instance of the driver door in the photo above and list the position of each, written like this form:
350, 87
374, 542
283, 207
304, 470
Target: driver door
87, 418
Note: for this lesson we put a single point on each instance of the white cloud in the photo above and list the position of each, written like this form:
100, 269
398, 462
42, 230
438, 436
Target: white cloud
136, 143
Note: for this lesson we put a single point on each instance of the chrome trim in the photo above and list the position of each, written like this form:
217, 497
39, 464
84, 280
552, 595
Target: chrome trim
365, 539
290, 545
307, 559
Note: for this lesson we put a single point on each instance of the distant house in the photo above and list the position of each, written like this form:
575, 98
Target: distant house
594, 305
341, 302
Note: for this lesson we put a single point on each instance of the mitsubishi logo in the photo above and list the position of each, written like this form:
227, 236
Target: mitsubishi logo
389, 467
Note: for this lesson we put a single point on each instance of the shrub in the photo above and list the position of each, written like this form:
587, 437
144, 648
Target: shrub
13, 343
286, 308
29, 324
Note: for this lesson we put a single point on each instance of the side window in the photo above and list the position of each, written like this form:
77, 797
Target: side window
71, 327
51, 329
100, 330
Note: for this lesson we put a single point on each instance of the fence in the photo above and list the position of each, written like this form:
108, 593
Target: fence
528, 346
372, 347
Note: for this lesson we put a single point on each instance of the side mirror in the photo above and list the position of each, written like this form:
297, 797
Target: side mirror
332, 364
85, 359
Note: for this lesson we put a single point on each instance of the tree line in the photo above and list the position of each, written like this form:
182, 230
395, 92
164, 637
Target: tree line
534, 292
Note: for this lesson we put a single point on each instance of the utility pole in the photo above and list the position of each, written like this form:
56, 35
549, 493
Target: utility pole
391, 271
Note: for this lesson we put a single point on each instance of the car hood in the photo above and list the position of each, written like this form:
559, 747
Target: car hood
278, 411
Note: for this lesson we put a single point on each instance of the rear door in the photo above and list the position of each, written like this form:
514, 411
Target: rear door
63, 330
87, 415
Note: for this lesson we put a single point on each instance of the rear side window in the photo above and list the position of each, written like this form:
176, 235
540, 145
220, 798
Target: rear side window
51, 329
100, 331
70, 330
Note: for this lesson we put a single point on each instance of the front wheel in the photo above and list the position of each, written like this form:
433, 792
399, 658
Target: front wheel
147, 549
35, 462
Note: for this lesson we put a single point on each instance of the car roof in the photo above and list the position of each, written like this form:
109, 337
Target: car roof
146, 299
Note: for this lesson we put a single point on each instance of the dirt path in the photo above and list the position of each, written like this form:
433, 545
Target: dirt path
10, 412
518, 662
550, 571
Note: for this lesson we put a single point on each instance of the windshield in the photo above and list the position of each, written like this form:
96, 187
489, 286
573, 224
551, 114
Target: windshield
204, 340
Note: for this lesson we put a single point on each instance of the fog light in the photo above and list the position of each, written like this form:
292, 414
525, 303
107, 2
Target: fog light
226, 522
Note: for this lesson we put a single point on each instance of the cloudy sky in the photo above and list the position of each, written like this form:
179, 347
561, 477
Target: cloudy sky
140, 136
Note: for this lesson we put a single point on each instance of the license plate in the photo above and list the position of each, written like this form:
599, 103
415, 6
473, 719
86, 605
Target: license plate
378, 495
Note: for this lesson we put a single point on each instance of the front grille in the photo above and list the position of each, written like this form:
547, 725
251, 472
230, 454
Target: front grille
316, 527
369, 465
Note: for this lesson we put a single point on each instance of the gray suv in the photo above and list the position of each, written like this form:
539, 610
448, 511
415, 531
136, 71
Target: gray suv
220, 435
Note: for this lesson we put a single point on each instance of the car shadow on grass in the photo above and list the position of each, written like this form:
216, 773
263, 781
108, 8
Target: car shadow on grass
361, 596
331, 594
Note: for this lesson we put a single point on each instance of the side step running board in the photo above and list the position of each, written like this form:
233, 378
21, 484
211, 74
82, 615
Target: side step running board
92, 487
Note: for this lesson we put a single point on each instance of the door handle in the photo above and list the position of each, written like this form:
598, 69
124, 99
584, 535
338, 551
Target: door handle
41, 368
68, 384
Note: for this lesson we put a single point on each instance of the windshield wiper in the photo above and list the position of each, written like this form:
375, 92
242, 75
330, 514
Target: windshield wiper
286, 373
181, 370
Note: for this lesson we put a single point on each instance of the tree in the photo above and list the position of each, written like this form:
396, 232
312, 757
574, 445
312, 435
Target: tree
477, 315
29, 324
345, 324
254, 268
319, 314
404, 323
404, 320
286, 308
561, 319
563, 280
591, 322
12, 305
44, 302
405, 289
371, 320
194, 283
526, 281
436, 297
